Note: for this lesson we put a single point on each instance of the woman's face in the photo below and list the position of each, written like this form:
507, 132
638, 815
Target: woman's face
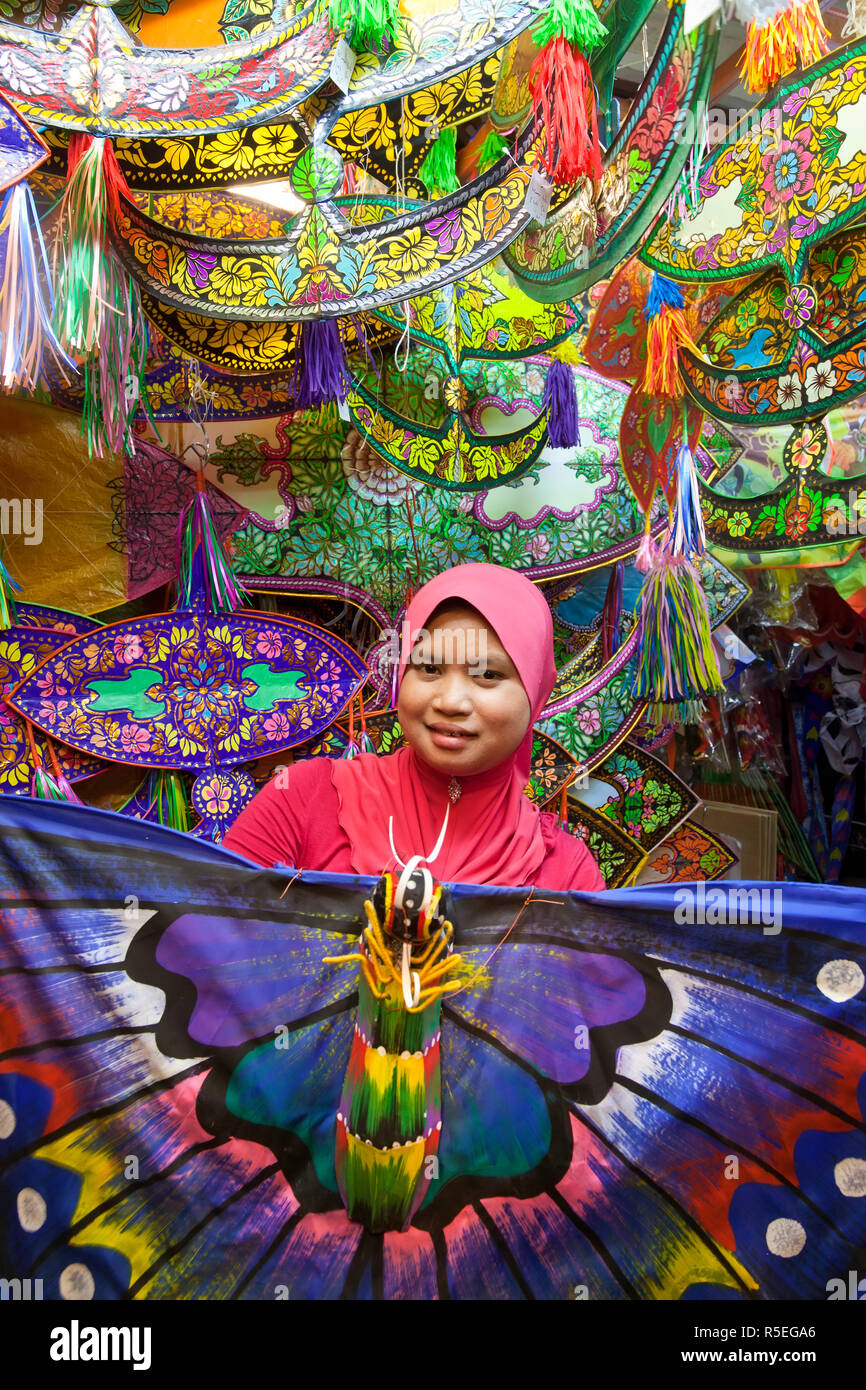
462, 705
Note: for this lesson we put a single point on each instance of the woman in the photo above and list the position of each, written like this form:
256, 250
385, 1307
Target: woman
476, 670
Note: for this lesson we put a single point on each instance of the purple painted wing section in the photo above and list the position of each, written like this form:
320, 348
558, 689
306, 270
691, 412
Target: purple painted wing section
241, 991
543, 1000
56, 619
21, 649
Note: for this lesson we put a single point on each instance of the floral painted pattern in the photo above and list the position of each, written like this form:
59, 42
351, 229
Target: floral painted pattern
21, 649
599, 228
142, 91
781, 353
782, 177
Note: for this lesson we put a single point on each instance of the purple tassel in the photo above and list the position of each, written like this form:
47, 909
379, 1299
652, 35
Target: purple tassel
320, 376
560, 401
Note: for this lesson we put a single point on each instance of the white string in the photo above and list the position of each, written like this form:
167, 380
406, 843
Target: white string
418, 858
403, 348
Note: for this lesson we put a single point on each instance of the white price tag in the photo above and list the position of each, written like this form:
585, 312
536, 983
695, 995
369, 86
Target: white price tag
538, 196
343, 65
343, 407
697, 11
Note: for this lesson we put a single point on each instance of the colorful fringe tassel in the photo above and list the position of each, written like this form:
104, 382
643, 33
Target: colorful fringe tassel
98, 311
362, 744
321, 375
775, 46
574, 20
438, 173
26, 330
667, 333
677, 666
560, 401
560, 86
371, 25
43, 785
494, 147
82, 303
204, 571
611, 613
7, 603
114, 376
167, 793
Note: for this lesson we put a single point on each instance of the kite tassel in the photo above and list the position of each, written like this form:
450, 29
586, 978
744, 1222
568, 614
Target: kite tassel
438, 173
7, 603
26, 303
114, 377
204, 570
677, 666
560, 85
170, 799
371, 25
775, 45
667, 332
560, 401
493, 149
688, 536
611, 613
321, 375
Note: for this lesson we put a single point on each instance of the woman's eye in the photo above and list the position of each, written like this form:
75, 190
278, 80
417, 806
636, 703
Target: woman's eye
430, 669
493, 675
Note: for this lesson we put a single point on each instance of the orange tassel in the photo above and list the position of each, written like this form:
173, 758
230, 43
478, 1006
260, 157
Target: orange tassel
666, 333
797, 36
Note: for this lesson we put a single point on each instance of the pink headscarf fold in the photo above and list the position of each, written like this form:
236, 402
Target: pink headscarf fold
494, 831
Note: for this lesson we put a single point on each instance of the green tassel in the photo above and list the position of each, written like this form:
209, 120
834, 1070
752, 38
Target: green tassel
575, 20
494, 147
80, 245
439, 170
172, 807
371, 25
8, 615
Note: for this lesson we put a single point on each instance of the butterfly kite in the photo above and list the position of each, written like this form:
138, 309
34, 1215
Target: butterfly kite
222, 1082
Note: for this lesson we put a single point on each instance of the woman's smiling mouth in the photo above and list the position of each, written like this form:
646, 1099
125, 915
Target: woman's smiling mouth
448, 735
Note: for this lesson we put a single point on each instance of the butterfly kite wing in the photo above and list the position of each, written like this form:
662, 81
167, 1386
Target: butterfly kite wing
110, 1057
717, 1144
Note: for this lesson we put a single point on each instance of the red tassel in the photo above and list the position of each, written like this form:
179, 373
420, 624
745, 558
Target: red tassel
560, 84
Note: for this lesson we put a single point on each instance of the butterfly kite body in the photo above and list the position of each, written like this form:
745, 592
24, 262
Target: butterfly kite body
210, 1084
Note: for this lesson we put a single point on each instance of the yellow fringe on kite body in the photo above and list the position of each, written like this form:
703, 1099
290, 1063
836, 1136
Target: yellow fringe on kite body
796, 36
667, 333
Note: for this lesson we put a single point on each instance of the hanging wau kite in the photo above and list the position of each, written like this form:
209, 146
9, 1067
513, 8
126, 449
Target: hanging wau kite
677, 665
206, 686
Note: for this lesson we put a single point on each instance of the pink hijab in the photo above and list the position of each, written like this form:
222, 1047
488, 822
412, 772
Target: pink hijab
494, 831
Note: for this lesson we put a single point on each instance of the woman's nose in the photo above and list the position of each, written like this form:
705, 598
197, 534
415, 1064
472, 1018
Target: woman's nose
453, 694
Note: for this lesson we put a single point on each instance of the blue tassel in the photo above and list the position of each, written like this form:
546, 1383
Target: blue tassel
661, 292
688, 536
560, 401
